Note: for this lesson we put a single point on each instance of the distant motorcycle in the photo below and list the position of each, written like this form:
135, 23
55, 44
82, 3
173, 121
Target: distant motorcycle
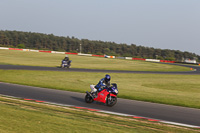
66, 64
107, 96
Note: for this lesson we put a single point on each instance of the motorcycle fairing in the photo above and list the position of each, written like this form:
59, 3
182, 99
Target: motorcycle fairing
102, 96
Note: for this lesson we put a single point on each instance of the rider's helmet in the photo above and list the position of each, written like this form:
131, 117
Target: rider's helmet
107, 79
66, 58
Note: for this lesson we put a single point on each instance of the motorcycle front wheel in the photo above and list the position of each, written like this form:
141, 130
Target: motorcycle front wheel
88, 98
111, 101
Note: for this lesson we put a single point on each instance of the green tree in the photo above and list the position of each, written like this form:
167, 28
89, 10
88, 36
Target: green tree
20, 46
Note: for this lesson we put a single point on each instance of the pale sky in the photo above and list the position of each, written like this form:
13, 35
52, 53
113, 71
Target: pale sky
165, 24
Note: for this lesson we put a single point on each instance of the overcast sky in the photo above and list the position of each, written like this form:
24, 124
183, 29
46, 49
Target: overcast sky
165, 24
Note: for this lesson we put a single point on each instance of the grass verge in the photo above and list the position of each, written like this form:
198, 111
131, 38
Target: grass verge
182, 90
22, 116
54, 60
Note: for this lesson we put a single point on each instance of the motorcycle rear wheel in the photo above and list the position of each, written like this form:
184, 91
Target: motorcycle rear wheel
88, 98
111, 102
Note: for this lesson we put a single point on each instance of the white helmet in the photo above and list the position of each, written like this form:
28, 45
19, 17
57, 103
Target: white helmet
66, 56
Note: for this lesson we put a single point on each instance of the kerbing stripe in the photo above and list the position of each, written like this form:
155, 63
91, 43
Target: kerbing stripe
87, 109
109, 112
179, 124
33, 100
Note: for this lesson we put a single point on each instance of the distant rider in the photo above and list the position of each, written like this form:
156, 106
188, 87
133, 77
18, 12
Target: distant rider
65, 62
102, 84
66, 58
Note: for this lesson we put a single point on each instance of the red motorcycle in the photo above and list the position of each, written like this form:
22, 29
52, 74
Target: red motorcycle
107, 96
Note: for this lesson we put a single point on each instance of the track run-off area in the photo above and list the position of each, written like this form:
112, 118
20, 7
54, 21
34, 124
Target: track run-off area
137, 109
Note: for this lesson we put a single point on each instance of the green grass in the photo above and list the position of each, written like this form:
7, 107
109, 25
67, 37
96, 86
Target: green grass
54, 60
182, 90
21, 116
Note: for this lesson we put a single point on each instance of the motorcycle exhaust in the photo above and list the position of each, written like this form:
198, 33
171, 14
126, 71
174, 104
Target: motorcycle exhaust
90, 94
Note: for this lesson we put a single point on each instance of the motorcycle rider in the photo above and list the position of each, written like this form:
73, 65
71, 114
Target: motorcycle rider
104, 82
66, 58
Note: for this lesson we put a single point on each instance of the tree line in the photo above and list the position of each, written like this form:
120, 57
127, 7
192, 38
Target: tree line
30, 40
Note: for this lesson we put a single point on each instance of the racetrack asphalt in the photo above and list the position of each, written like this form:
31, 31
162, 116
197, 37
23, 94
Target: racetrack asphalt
145, 109
170, 113
19, 67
